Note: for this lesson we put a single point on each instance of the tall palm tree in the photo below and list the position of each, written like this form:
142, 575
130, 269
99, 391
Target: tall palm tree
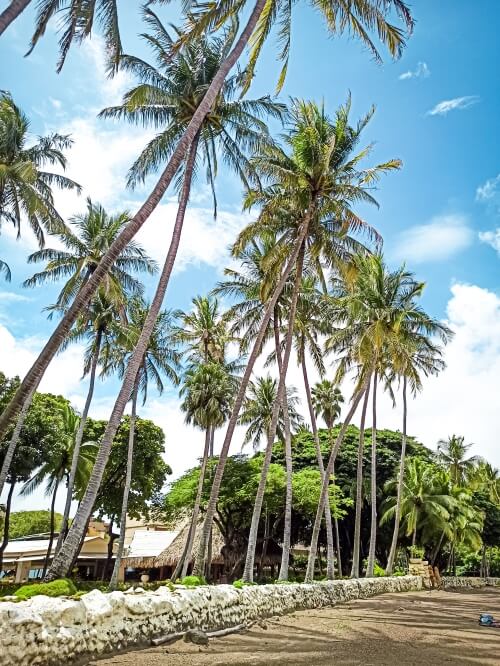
160, 359
222, 130
452, 453
359, 18
25, 186
326, 400
417, 355
11, 13
372, 304
87, 242
208, 392
307, 197
56, 467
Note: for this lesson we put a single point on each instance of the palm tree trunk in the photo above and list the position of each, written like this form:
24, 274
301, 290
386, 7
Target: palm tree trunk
330, 566
78, 441
233, 419
109, 556
437, 549
359, 489
309, 577
182, 565
11, 449
11, 12
6, 522
259, 497
63, 559
36, 372
52, 528
397, 517
287, 528
373, 526
126, 489
337, 534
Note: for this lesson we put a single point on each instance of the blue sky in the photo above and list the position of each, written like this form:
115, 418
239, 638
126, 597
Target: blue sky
437, 110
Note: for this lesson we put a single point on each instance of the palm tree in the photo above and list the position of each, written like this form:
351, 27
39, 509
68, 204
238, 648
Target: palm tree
160, 359
325, 399
4, 268
359, 18
199, 64
372, 305
307, 200
452, 453
25, 187
258, 407
425, 500
416, 355
208, 392
87, 242
56, 467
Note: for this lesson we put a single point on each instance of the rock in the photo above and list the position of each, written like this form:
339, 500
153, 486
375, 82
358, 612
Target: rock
196, 636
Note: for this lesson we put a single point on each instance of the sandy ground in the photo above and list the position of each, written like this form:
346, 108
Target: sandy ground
417, 628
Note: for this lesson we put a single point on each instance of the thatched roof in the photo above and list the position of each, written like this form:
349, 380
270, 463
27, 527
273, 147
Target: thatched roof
172, 553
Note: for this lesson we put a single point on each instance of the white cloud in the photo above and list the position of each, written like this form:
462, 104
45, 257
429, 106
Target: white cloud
489, 190
492, 238
441, 238
12, 297
458, 103
420, 71
17, 355
204, 240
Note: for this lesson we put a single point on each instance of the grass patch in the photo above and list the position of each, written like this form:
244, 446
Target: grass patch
63, 587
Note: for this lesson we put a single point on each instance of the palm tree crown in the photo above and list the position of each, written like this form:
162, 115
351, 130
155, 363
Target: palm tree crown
25, 187
327, 400
87, 242
452, 453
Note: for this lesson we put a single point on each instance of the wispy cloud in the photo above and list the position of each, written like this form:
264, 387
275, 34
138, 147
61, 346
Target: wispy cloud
491, 238
489, 190
421, 71
441, 238
457, 104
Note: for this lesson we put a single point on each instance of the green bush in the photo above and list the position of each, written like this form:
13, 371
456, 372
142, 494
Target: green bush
8, 589
240, 584
63, 587
193, 581
378, 571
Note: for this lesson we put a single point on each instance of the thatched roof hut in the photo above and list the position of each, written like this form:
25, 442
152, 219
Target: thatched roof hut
172, 553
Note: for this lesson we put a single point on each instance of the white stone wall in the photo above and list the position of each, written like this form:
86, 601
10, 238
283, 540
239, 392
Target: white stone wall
62, 631
454, 583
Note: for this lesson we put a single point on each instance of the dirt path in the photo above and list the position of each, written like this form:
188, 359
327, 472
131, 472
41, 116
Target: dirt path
411, 629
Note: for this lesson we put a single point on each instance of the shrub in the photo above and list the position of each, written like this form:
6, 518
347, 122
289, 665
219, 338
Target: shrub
378, 571
8, 588
240, 584
63, 587
193, 581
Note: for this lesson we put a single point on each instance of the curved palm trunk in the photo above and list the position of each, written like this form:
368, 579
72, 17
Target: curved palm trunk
233, 419
11, 449
78, 442
36, 372
309, 577
11, 13
6, 523
359, 489
182, 566
397, 517
373, 526
287, 528
330, 566
63, 559
259, 497
52, 528
126, 491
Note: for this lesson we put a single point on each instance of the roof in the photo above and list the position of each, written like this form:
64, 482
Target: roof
24, 548
147, 545
172, 553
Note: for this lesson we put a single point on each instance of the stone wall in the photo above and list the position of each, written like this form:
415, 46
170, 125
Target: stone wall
62, 631
459, 582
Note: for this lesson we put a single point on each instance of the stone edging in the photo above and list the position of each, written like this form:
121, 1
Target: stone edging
63, 631
56, 631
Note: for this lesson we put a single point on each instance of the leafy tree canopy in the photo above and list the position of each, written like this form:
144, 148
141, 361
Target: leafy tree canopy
24, 523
